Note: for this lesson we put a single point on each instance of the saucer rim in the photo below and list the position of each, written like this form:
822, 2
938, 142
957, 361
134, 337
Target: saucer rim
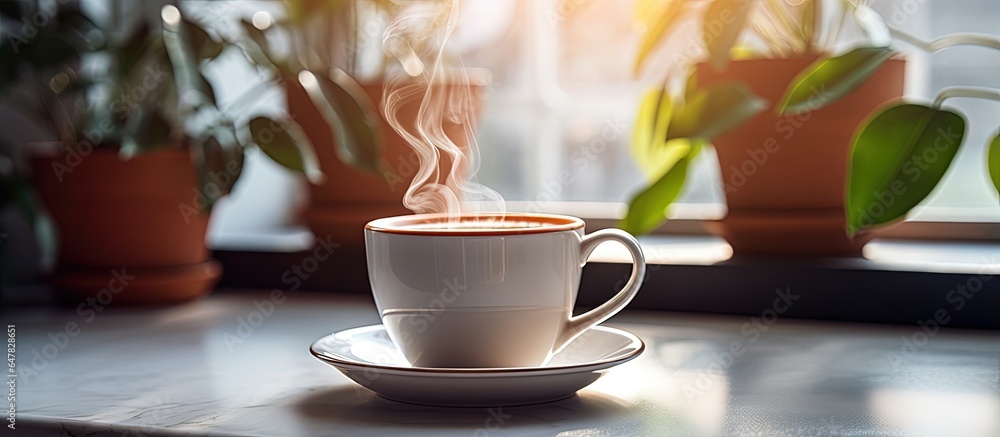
638, 347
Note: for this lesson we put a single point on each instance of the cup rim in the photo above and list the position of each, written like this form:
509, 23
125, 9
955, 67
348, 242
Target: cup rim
397, 224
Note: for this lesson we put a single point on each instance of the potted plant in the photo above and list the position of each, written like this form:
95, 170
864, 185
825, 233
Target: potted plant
779, 109
900, 154
141, 151
369, 170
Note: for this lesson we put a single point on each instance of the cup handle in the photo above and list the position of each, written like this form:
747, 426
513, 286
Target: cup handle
576, 325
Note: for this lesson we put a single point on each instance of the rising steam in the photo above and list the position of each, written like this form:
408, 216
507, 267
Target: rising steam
445, 180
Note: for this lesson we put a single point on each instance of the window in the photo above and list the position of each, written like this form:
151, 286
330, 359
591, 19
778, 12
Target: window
965, 193
564, 75
557, 125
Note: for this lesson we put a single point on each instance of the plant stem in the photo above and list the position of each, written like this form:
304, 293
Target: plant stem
772, 30
295, 52
788, 23
353, 48
775, 43
253, 94
965, 91
873, 26
955, 39
116, 17
831, 37
810, 19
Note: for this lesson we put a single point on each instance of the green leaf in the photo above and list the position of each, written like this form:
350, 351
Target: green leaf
286, 144
136, 46
255, 45
993, 161
200, 41
662, 25
206, 154
722, 25
827, 80
218, 166
71, 21
691, 84
714, 110
351, 114
50, 49
897, 159
145, 130
648, 208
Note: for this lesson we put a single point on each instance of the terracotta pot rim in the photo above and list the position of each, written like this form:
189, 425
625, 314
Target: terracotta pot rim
793, 58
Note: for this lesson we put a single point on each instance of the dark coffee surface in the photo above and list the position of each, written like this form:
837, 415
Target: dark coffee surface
478, 225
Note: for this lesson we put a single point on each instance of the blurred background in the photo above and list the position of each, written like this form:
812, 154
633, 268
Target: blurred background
563, 97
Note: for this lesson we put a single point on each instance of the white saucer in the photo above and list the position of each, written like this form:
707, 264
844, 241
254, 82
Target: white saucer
368, 356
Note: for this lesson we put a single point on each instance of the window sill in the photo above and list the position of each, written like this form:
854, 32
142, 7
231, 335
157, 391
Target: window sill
898, 281
923, 223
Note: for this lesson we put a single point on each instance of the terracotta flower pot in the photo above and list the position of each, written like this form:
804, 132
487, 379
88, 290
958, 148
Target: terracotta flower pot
129, 231
349, 198
784, 177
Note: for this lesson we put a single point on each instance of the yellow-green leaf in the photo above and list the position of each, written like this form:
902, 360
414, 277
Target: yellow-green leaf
714, 110
722, 25
994, 161
643, 10
897, 159
648, 208
659, 29
827, 80
650, 129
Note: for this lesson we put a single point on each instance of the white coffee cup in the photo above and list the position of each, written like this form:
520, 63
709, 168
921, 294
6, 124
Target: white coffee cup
486, 290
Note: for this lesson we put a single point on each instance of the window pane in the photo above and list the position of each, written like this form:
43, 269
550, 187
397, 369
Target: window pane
558, 121
579, 57
967, 183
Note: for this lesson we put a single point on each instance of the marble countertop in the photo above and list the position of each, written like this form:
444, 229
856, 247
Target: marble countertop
227, 365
